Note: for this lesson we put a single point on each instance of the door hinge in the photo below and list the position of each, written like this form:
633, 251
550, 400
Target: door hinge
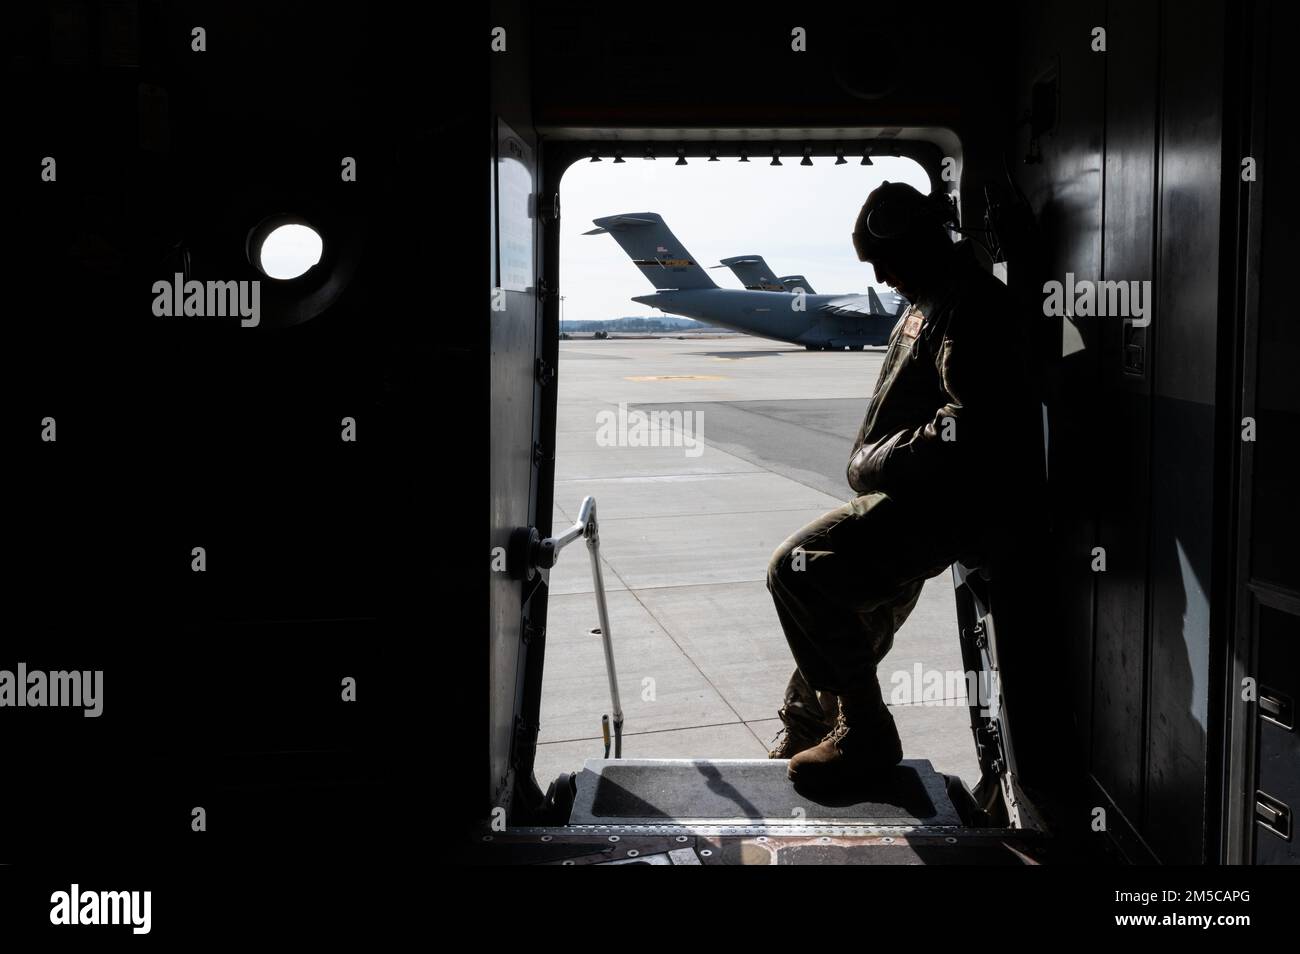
548, 208
522, 731
545, 372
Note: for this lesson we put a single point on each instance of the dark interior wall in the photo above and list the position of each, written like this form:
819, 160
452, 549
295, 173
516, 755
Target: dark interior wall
1276, 519
719, 66
1064, 191
1131, 188
1266, 751
222, 688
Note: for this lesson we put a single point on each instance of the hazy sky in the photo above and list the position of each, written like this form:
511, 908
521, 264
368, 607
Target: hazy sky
797, 217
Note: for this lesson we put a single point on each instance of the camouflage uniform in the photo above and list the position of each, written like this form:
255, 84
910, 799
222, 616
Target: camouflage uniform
938, 467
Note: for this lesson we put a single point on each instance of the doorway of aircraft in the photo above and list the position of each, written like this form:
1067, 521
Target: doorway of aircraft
707, 444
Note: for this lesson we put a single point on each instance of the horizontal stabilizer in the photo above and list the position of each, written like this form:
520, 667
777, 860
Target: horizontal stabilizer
620, 221
654, 250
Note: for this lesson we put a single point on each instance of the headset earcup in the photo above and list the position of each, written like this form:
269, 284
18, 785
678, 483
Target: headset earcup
883, 223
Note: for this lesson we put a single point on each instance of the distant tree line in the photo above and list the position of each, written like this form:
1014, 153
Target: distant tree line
633, 325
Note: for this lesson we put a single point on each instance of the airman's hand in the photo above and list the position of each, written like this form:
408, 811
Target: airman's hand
865, 467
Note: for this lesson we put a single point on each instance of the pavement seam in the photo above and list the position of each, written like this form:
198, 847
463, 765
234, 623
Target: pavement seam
658, 622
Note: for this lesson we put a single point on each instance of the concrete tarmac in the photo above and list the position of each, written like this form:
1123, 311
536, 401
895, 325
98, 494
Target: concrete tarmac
749, 444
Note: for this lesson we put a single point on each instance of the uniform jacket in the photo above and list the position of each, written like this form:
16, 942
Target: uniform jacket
953, 418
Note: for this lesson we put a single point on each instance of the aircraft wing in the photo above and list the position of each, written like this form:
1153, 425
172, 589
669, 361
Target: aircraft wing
849, 305
869, 305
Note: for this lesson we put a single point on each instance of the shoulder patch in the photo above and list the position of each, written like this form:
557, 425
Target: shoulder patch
912, 322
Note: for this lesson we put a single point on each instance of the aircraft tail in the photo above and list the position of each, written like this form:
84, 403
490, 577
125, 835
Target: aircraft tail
753, 272
791, 282
654, 249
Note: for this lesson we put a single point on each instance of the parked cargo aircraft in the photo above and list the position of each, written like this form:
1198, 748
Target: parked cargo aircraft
818, 322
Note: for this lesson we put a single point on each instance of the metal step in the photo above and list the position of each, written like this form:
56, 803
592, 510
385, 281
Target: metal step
746, 811
748, 796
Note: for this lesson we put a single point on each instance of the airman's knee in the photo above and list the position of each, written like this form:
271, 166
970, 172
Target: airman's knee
784, 564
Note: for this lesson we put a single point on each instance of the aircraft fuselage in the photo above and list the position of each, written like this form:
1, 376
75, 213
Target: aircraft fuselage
777, 315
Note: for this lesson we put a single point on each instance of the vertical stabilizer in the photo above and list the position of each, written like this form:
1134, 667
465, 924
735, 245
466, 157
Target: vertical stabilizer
654, 249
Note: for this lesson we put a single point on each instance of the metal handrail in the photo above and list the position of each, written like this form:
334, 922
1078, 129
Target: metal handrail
549, 551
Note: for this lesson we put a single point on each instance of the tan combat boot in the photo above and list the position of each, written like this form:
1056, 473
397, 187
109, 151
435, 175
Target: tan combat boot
806, 717
863, 743
790, 741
